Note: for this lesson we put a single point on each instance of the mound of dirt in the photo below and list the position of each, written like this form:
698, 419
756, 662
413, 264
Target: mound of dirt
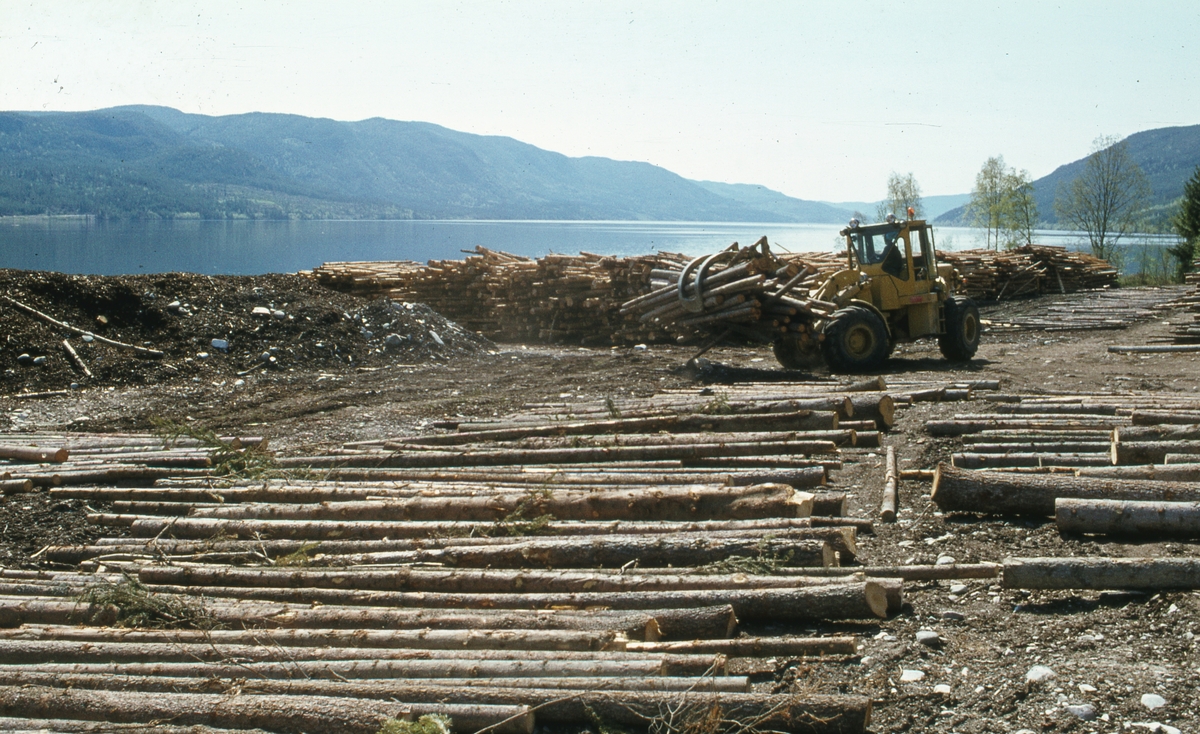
206, 326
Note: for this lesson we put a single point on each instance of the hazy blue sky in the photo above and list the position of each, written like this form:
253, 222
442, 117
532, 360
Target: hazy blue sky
820, 100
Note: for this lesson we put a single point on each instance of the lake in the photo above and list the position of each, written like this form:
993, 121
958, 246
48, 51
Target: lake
83, 245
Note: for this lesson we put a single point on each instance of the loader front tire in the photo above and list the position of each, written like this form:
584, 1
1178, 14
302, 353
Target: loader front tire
856, 340
961, 340
793, 356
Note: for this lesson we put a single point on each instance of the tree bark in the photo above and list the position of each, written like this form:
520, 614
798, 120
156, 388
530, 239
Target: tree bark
16, 486
811, 714
756, 647
879, 407
1153, 417
956, 490
1160, 472
1130, 518
298, 714
1000, 461
1102, 573
1152, 452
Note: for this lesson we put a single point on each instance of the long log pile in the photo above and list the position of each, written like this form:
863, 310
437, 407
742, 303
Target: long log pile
1088, 311
1028, 270
602, 559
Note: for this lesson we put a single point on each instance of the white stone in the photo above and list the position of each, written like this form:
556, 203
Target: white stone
1039, 674
261, 311
911, 676
1153, 701
1085, 711
945, 561
941, 688
1085, 688
959, 589
929, 638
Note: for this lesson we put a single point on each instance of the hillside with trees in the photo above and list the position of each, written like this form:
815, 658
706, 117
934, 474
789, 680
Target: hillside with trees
146, 162
1167, 156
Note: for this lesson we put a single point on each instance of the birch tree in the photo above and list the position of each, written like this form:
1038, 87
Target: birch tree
1106, 200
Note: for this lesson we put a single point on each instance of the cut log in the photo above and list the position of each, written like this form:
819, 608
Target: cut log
1189, 472
1130, 518
829, 504
879, 407
887, 508
1001, 461
812, 714
16, 486
757, 647
34, 454
1153, 417
271, 712
1102, 573
1152, 452
956, 490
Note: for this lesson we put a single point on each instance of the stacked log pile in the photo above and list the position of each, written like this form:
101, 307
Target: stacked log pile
573, 557
1088, 311
1188, 330
1029, 270
553, 299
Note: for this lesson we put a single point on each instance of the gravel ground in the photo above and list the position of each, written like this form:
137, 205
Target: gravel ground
336, 379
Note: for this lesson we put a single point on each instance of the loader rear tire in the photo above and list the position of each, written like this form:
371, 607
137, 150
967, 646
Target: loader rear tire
856, 340
961, 340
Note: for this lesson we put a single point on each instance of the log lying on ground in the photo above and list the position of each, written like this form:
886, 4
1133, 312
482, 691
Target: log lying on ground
330, 641
887, 508
812, 714
16, 486
1102, 573
756, 647
34, 454
271, 712
675, 504
1151, 452
803, 420
957, 490
1153, 417
1123, 517
1002, 461
684, 623
1189, 472
878, 407
1152, 348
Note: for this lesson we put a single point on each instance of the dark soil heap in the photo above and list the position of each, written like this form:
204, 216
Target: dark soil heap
218, 327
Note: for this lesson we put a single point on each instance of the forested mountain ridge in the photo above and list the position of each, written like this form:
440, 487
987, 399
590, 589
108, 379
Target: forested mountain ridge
1168, 156
155, 161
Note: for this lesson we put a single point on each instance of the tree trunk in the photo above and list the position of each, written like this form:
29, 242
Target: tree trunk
1160, 472
756, 647
298, 714
956, 490
34, 454
1122, 517
999, 461
1171, 417
1152, 452
812, 714
1102, 573
879, 407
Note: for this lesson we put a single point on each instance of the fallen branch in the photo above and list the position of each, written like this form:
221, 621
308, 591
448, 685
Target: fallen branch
31, 311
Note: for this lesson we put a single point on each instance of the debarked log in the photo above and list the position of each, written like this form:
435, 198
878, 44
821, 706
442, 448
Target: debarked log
755, 647
271, 712
34, 454
1151, 452
1189, 472
958, 490
1102, 573
809, 714
683, 623
1130, 518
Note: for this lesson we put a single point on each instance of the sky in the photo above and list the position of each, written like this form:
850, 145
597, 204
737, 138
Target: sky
819, 100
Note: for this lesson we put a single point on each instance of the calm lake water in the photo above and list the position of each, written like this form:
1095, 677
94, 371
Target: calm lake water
255, 247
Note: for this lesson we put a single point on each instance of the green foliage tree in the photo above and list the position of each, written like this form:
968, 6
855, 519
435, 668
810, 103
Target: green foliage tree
1186, 224
1002, 204
902, 192
1106, 200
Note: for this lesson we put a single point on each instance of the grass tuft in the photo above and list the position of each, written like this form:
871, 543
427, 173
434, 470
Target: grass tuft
427, 724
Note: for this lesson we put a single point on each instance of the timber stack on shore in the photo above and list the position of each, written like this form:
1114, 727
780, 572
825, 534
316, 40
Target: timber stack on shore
573, 560
990, 275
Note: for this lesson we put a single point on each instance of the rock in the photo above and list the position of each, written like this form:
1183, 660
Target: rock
102, 320
393, 340
929, 638
174, 306
261, 311
952, 615
1039, 674
437, 338
1085, 688
220, 344
959, 589
278, 315
946, 561
1153, 701
75, 385
1085, 711
911, 676
942, 688
264, 357
88, 338
24, 359
640, 347
202, 355
39, 361
239, 383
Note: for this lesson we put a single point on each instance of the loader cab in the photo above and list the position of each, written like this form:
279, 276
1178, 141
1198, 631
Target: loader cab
898, 257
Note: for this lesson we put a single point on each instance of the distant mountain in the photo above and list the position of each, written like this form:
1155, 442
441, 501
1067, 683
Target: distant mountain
935, 206
1168, 156
142, 161
785, 207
